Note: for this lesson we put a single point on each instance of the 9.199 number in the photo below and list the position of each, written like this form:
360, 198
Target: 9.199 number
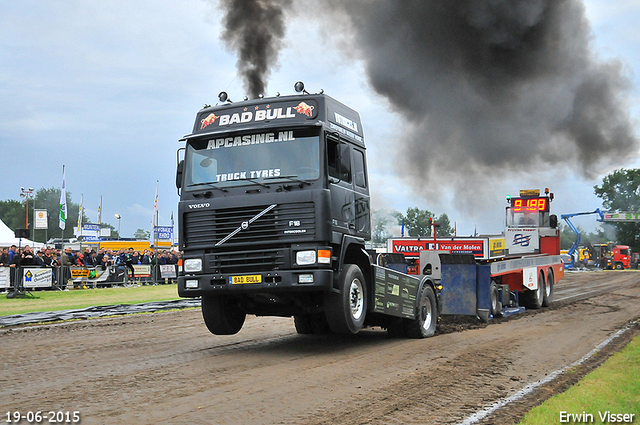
51, 417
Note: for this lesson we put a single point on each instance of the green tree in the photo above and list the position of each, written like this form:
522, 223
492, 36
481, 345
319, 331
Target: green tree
416, 221
381, 219
444, 226
142, 234
620, 191
13, 214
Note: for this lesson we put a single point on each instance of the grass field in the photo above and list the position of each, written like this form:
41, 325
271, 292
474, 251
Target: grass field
613, 388
82, 298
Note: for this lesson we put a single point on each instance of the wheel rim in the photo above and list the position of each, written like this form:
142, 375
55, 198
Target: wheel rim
425, 313
540, 291
548, 287
356, 299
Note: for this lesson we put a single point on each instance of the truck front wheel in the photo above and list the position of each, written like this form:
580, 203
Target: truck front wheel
345, 311
222, 315
424, 325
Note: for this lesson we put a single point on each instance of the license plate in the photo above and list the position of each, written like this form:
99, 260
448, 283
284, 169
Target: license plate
252, 278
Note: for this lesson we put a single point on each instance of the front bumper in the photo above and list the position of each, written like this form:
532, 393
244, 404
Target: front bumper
301, 280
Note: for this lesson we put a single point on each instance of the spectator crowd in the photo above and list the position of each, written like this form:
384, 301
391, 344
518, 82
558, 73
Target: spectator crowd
15, 257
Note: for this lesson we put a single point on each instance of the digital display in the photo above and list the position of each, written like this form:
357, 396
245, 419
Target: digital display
530, 204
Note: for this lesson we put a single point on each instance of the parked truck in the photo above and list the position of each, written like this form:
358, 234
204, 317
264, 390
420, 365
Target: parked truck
274, 214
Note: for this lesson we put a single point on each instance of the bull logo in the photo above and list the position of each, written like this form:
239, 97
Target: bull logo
305, 109
210, 119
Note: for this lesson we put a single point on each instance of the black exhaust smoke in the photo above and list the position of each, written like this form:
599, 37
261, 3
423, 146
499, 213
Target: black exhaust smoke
492, 87
255, 30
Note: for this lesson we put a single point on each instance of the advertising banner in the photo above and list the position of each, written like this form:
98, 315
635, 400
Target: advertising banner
40, 219
140, 270
412, 247
163, 233
168, 271
90, 275
5, 281
37, 277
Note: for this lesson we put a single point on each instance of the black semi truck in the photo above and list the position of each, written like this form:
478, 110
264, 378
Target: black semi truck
273, 217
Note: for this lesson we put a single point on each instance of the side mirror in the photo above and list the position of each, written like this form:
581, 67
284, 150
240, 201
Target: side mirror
179, 172
553, 221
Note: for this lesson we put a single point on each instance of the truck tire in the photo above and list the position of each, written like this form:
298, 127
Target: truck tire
533, 299
496, 305
222, 315
548, 290
424, 325
345, 311
619, 266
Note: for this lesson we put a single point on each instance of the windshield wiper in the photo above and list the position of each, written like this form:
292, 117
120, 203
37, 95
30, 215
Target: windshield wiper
254, 181
290, 178
211, 184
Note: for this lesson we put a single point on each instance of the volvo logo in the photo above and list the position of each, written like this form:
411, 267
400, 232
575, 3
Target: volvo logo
245, 225
195, 206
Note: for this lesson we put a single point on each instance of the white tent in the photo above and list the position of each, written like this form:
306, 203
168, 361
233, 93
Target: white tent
8, 238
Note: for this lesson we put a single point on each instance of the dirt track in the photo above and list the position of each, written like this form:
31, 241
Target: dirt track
167, 368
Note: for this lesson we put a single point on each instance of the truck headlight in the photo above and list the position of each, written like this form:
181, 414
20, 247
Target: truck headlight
192, 265
191, 284
304, 258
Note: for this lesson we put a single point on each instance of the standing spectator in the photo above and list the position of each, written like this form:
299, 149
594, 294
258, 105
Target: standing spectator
92, 259
28, 257
5, 259
39, 260
99, 256
67, 260
129, 260
145, 259
12, 252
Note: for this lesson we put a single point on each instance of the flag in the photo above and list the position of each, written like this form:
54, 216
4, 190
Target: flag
155, 207
63, 202
100, 211
152, 235
80, 211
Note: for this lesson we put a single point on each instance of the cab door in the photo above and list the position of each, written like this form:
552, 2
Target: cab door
339, 174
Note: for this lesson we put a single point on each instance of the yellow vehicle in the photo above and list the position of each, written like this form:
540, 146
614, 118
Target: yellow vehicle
136, 245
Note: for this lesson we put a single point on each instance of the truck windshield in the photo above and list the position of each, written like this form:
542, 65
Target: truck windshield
253, 158
523, 218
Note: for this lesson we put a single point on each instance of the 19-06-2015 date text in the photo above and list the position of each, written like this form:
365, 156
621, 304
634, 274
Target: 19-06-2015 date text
41, 417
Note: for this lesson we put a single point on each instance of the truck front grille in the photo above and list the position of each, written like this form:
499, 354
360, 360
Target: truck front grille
263, 260
205, 228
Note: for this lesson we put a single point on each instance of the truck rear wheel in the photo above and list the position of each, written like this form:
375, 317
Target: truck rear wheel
496, 305
345, 311
222, 315
533, 299
424, 325
548, 291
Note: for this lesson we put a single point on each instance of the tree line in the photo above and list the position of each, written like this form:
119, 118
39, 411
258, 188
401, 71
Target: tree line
13, 214
619, 191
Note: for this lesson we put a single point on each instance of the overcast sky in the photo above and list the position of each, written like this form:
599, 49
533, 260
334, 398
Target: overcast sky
107, 89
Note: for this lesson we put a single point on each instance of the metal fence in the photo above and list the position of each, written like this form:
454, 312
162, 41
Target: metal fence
30, 278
